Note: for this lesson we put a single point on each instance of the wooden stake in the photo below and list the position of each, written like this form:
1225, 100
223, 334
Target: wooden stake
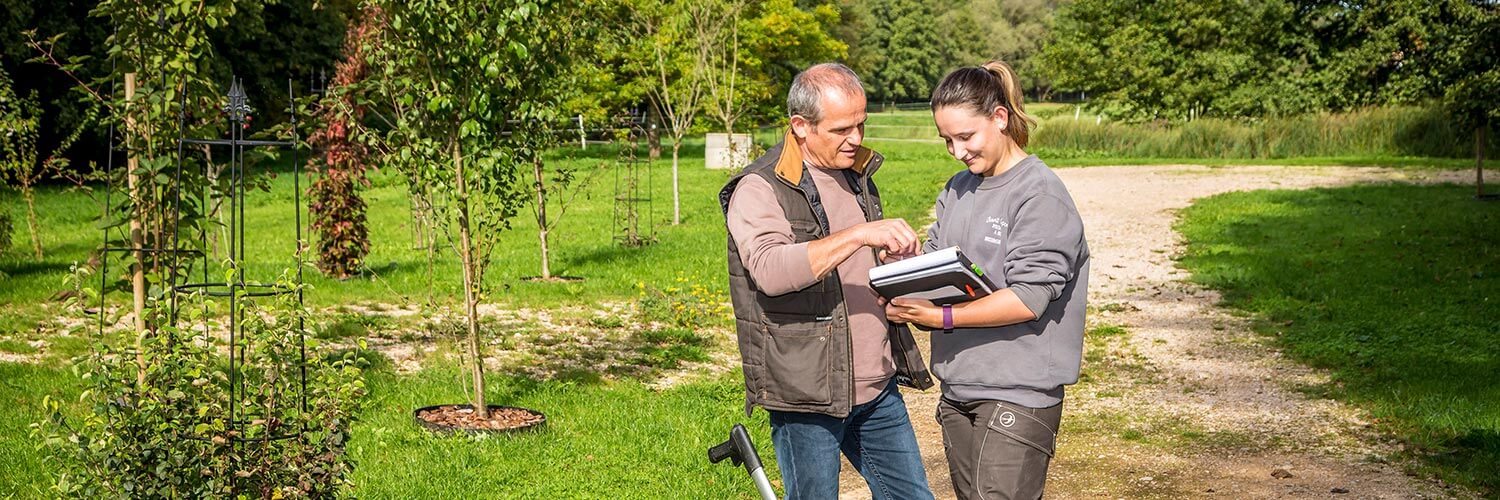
138, 276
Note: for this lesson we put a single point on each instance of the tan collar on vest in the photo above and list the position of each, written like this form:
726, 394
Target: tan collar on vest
789, 166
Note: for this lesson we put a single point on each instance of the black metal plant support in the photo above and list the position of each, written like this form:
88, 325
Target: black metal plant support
628, 190
237, 113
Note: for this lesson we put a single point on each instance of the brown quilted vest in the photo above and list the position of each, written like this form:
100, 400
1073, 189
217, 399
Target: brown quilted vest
795, 348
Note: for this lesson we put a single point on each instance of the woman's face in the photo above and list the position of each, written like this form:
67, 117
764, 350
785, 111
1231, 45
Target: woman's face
977, 140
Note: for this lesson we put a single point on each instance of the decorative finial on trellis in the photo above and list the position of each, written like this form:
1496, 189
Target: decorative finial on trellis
239, 105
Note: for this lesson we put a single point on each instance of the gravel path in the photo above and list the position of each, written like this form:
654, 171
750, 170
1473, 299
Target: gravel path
1201, 372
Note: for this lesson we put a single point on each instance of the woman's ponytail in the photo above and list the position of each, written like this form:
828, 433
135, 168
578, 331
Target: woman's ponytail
983, 89
1019, 126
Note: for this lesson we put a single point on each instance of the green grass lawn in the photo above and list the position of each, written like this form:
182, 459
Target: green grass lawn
24, 468
1395, 288
602, 440
582, 245
606, 438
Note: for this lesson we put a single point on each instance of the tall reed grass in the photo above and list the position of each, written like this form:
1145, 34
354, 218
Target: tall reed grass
1386, 131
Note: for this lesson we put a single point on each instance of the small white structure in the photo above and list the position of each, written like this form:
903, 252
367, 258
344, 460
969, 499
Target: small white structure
725, 151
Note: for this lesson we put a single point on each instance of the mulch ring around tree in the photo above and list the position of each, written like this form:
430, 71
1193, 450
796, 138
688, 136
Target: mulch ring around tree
462, 418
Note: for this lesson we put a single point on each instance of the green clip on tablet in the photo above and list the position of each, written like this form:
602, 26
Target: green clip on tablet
945, 277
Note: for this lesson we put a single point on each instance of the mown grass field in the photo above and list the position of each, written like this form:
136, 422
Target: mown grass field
1395, 289
607, 437
582, 245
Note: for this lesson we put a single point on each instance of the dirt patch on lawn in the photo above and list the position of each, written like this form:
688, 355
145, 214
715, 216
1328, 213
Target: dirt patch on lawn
603, 340
1183, 400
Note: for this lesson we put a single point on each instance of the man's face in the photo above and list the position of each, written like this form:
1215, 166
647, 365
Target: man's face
833, 142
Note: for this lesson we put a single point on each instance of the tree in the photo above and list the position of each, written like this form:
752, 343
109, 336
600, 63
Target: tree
1474, 93
471, 87
583, 89
18, 134
907, 50
336, 209
719, 31
300, 39
19, 124
266, 43
566, 182
778, 39
1010, 30
61, 111
1406, 51
1181, 59
155, 93
673, 63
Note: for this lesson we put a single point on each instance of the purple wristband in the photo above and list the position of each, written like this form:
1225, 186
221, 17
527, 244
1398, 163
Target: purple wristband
948, 318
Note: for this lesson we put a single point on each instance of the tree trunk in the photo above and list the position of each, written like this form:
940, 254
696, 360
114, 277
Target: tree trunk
1479, 161
541, 214
471, 288
138, 276
653, 132
418, 240
676, 200
36, 237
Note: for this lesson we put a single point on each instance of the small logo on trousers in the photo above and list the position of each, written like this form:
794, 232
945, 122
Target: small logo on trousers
1007, 419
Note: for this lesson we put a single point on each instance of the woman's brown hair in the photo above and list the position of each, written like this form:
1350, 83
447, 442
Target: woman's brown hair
983, 88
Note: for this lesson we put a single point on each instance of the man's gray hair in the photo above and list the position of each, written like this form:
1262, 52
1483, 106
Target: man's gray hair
809, 85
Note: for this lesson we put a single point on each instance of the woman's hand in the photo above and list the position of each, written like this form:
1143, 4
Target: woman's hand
917, 311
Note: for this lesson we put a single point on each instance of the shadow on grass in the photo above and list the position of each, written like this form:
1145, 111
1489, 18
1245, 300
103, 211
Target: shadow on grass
27, 268
608, 255
1391, 287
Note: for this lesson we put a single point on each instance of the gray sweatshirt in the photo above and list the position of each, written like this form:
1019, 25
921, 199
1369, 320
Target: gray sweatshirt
1023, 229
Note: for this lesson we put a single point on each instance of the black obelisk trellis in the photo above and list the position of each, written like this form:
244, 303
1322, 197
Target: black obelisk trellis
179, 267
237, 112
629, 193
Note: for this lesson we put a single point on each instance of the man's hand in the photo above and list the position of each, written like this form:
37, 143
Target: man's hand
916, 311
894, 236
884, 257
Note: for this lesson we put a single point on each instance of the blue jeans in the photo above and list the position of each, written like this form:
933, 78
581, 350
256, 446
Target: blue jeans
876, 437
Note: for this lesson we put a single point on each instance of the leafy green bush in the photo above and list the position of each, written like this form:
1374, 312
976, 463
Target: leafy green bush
186, 432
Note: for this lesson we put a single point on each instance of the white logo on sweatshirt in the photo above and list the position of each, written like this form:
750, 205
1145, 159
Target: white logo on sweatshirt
999, 227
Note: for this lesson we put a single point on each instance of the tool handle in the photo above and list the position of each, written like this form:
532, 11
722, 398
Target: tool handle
722, 451
744, 449
763, 485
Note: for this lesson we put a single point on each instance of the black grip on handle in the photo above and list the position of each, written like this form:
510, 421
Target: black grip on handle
738, 448
722, 451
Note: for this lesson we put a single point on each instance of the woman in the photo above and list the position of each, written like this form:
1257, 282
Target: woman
1004, 358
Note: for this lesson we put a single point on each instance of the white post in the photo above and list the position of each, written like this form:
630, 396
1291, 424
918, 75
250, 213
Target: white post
583, 142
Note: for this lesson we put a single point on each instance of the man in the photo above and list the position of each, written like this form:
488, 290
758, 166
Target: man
805, 227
